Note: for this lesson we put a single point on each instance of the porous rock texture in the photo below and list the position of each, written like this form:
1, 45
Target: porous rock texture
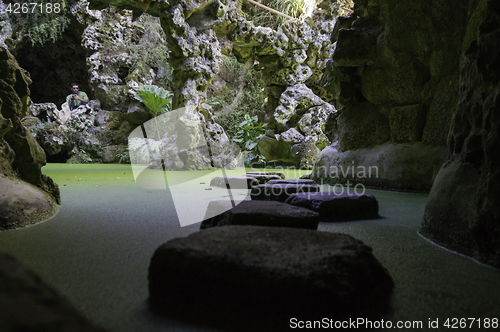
21, 158
462, 210
28, 304
252, 275
394, 74
293, 55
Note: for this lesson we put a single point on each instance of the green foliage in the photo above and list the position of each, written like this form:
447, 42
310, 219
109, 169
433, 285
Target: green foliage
147, 45
300, 9
155, 98
295, 8
251, 101
81, 157
249, 133
248, 136
38, 20
230, 122
123, 157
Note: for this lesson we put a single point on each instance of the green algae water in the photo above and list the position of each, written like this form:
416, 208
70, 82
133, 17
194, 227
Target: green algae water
95, 251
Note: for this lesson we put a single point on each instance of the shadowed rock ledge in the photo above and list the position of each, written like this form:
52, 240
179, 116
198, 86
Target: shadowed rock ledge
21, 158
394, 73
462, 211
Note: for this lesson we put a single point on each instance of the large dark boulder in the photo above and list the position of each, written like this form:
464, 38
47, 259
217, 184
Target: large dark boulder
462, 211
29, 304
249, 275
22, 204
261, 213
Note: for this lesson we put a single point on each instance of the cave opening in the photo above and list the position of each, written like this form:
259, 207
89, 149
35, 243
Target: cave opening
55, 65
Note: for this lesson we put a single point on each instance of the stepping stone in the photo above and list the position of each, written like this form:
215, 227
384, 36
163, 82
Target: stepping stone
292, 181
280, 174
235, 182
216, 208
263, 213
250, 276
279, 192
29, 304
334, 206
263, 179
306, 176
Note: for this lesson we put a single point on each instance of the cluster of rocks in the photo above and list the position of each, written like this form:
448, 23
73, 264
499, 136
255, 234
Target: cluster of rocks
268, 262
286, 203
292, 60
81, 135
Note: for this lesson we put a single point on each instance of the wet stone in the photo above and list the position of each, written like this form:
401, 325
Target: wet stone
292, 181
334, 206
263, 213
280, 174
265, 178
280, 191
259, 277
235, 182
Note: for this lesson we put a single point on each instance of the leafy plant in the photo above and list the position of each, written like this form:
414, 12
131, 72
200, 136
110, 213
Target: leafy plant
249, 133
248, 136
123, 157
38, 20
295, 8
155, 98
248, 87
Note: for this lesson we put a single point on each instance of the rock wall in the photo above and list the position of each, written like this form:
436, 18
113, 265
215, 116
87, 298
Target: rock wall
292, 60
462, 211
198, 32
21, 158
394, 75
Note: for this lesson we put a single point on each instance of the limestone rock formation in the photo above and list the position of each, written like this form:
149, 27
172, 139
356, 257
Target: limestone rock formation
294, 54
21, 158
394, 74
299, 118
462, 211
